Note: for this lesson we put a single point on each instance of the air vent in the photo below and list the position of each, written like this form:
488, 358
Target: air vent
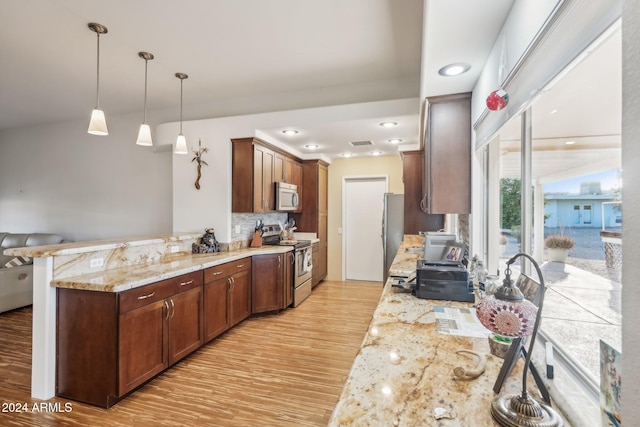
360, 143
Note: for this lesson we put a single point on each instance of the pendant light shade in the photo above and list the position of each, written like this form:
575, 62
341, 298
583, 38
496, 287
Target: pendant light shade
181, 142
98, 123
144, 135
181, 145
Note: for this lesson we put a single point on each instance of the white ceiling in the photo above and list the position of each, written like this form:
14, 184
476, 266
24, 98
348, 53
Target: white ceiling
585, 107
242, 57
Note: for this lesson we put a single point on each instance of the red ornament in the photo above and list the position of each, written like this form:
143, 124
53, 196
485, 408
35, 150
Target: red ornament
497, 100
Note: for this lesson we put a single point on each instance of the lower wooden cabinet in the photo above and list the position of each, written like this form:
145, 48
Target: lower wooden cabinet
110, 343
315, 261
272, 282
227, 296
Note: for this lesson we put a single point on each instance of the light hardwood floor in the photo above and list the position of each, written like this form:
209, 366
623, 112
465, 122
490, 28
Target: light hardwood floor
275, 370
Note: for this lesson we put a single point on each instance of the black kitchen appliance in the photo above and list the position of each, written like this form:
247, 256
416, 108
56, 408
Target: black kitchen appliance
442, 281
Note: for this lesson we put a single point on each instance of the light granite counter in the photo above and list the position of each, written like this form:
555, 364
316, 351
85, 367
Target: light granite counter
124, 278
403, 373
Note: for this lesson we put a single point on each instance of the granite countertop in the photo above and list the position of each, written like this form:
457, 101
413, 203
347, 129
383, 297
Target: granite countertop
403, 373
72, 248
124, 278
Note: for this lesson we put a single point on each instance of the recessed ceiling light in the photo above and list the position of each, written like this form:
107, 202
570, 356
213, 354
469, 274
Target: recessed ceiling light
290, 131
454, 69
376, 153
346, 154
553, 111
395, 140
570, 142
312, 146
388, 124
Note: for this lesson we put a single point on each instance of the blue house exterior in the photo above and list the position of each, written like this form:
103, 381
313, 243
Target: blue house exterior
581, 210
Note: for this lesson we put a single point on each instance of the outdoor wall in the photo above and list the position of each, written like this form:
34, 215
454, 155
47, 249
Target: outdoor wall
354, 167
59, 179
561, 213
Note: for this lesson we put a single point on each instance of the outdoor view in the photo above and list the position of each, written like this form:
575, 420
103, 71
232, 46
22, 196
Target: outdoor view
575, 207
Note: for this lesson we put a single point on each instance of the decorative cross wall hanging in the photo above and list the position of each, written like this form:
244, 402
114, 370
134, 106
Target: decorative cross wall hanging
198, 159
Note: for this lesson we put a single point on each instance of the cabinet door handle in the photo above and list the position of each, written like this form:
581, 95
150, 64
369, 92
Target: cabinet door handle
186, 283
165, 306
240, 265
141, 297
233, 283
217, 272
279, 262
423, 203
173, 308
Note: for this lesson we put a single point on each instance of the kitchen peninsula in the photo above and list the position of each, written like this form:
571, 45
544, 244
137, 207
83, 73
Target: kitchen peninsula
121, 272
403, 373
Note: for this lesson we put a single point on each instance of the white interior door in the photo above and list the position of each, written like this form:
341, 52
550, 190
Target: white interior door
363, 203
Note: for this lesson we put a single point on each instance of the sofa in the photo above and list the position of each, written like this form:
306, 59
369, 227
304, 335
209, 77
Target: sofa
16, 273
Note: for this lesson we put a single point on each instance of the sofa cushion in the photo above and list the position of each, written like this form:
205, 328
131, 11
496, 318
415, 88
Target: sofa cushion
14, 240
17, 262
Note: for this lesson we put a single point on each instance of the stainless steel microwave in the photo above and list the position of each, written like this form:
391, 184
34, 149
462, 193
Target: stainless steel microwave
286, 196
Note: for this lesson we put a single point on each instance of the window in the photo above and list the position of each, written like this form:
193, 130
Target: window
575, 190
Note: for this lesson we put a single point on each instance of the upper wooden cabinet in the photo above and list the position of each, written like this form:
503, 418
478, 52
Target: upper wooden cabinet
256, 167
447, 158
315, 174
415, 220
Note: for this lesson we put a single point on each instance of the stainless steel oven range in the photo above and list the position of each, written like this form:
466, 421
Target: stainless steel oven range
302, 265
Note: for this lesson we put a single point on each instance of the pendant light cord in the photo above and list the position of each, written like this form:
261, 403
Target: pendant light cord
144, 121
181, 80
98, 75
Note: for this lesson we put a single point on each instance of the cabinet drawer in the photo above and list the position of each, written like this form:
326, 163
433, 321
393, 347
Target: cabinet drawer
144, 295
138, 297
226, 269
187, 281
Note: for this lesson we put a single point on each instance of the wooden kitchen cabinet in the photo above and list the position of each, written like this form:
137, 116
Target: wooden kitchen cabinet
315, 260
110, 343
256, 167
415, 220
315, 208
289, 260
263, 179
240, 295
271, 282
227, 296
447, 155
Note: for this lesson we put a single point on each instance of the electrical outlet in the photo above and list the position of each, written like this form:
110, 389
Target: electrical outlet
339, 230
238, 229
96, 262
174, 249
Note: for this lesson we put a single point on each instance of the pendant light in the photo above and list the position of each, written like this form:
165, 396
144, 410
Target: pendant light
98, 124
181, 142
144, 135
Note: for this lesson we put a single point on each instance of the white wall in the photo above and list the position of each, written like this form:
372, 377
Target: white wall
631, 219
59, 179
195, 210
521, 26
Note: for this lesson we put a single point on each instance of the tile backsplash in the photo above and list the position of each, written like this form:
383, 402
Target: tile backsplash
247, 223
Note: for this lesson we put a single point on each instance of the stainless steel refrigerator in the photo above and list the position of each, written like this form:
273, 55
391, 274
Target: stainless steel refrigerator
392, 229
